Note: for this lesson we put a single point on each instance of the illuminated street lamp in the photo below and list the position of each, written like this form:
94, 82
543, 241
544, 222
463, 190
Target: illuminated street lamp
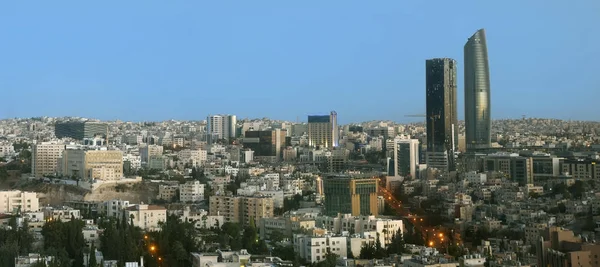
152, 248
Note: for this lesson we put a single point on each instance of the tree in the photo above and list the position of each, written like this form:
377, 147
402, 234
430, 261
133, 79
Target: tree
330, 260
277, 236
397, 246
92, 262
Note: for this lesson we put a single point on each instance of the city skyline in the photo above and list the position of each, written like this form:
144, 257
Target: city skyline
268, 53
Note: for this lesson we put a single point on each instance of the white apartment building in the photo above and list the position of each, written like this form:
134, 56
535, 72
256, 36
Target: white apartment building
201, 219
114, 208
146, 216
252, 190
221, 126
362, 224
134, 160
475, 177
195, 157
313, 249
191, 192
44, 158
14, 200
406, 156
6, 150
63, 213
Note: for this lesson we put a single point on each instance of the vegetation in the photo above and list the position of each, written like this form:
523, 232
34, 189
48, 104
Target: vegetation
64, 241
14, 241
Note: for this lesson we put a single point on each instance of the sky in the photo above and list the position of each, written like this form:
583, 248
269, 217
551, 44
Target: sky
151, 60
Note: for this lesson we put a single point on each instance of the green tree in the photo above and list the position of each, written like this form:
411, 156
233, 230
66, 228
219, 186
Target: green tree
92, 262
330, 260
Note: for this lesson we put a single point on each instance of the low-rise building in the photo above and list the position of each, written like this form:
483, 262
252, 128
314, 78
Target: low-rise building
314, 249
191, 192
16, 200
146, 216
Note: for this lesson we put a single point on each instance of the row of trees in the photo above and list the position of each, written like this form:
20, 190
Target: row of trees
14, 241
64, 241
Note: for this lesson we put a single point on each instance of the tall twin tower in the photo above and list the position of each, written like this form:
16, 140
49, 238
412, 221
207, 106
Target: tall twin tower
442, 118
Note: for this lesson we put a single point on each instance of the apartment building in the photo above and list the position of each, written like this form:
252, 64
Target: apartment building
146, 216
15, 200
191, 192
167, 192
313, 249
193, 157
6, 149
361, 224
241, 210
64, 214
44, 157
150, 150
114, 208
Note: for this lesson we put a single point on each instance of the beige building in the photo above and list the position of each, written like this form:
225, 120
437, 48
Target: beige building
146, 217
11, 201
167, 192
242, 210
44, 158
150, 150
92, 164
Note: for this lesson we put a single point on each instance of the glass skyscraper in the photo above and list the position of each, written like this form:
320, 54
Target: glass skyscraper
477, 93
442, 118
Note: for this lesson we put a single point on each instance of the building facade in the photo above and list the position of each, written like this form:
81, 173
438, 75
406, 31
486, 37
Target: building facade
242, 210
441, 115
81, 130
267, 145
221, 127
356, 196
15, 200
478, 121
146, 217
323, 130
406, 157
44, 158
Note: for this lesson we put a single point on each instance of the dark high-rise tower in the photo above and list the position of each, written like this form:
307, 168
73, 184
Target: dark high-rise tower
442, 119
477, 93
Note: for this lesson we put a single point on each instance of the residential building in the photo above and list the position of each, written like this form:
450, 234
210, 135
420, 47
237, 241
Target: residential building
478, 109
15, 200
221, 259
323, 130
559, 247
192, 191
114, 208
150, 150
221, 127
353, 195
441, 115
167, 192
361, 224
405, 157
242, 210
314, 249
146, 216
44, 158
63, 213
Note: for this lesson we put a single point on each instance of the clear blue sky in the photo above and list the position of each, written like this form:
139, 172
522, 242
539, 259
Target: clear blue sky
157, 60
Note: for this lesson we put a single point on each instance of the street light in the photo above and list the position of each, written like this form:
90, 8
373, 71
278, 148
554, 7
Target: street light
152, 248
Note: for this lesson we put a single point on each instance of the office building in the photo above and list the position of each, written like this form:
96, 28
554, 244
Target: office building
405, 157
477, 93
582, 169
350, 195
221, 127
91, 164
516, 168
242, 210
44, 158
15, 200
80, 130
323, 130
441, 115
267, 145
